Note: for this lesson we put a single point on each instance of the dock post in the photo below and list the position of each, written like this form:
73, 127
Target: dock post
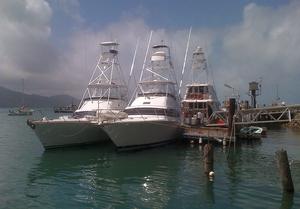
231, 113
284, 171
290, 117
208, 159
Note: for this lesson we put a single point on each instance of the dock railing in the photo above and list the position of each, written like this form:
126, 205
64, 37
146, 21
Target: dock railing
276, 114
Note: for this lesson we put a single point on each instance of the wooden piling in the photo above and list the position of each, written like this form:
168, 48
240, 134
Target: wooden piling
231, 112
284, 171
208, 158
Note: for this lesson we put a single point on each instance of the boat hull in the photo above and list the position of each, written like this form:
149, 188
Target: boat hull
19, 114
141, 134
251, 132
53, 134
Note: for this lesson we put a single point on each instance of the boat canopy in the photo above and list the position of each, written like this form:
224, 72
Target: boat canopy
157, 87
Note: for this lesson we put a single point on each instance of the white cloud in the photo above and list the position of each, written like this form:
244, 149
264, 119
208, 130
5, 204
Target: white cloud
24, 47
265, 44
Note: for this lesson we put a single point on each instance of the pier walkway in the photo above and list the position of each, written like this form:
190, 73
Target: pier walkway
263, 115
272, 114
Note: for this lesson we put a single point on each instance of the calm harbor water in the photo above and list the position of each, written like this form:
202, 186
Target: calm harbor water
165, 177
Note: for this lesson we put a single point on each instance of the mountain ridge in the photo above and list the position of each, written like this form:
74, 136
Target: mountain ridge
11, 98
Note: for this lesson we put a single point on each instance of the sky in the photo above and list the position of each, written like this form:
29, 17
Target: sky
53, 44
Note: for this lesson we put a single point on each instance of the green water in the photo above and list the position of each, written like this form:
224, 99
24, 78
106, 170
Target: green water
165, 177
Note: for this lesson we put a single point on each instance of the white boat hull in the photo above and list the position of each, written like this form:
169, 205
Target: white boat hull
54, 134
139, 134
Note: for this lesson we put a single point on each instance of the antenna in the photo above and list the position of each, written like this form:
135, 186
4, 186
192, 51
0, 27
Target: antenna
277, 93
23, 91
184, 62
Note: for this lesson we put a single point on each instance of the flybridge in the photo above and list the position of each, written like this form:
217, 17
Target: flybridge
107, 80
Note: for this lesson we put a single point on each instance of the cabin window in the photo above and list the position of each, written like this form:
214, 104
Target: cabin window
152, 111
158, 88
199, 105
196, 89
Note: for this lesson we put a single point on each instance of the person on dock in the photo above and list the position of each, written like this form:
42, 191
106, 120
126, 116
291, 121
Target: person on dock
200, 118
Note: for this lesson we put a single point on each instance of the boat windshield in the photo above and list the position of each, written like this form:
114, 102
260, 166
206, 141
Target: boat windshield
157, 88
81, 114
111, 91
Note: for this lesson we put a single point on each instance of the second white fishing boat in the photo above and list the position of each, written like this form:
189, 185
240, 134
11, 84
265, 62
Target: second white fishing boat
154, 114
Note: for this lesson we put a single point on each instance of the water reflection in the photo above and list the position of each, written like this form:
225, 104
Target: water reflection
101, 177
287, 201
166, 177
209, 193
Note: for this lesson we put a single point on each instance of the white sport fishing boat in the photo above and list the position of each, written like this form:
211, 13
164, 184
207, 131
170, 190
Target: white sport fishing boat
103, 100
200, 99
154, 114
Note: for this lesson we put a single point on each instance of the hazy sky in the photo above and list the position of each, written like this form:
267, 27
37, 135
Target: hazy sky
52, 44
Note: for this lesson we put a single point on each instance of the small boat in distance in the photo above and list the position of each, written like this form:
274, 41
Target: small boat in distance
65, 109
22, 110
154, 114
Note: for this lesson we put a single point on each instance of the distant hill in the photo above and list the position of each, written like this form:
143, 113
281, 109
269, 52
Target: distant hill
10, 98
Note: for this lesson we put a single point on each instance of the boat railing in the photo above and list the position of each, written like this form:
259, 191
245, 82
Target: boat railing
153, 111
218, 118
160, 94
199, 96
104, 115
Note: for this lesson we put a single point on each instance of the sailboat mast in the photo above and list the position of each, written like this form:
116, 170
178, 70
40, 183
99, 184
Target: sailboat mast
22, 93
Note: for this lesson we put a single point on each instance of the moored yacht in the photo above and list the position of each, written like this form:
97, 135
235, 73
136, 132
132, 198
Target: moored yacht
200, 99
103, 100
154, 112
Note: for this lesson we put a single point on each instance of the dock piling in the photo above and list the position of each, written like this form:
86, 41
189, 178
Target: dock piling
284, 171
231, 112
208, 159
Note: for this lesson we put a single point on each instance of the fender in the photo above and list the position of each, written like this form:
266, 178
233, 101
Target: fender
30, 124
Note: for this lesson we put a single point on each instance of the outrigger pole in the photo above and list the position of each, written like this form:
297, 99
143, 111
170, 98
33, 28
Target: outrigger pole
145, 59
133, 60
185, 57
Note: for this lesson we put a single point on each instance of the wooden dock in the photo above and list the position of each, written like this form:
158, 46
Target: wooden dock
222, 133
204, 134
